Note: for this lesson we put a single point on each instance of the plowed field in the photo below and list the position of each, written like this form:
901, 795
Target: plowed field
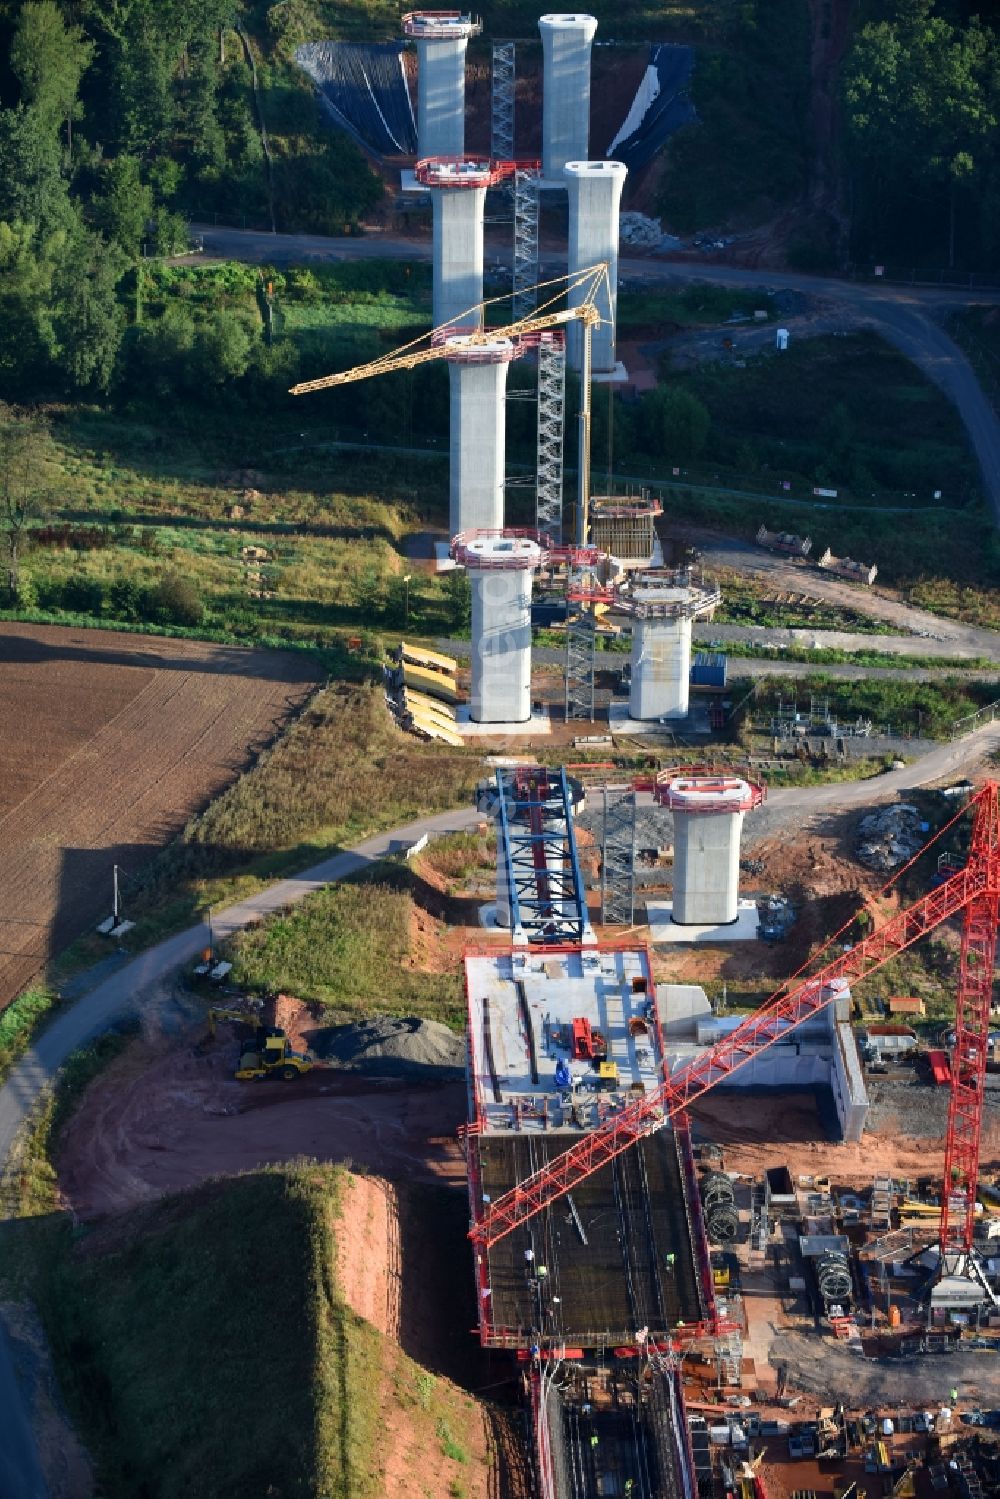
108, 744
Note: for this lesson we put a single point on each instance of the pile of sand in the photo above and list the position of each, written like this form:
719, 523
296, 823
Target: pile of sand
407, 1047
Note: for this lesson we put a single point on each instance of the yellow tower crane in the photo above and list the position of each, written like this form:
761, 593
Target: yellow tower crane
587, 285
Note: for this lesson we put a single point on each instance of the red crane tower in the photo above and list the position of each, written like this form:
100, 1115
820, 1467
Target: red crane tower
972, 893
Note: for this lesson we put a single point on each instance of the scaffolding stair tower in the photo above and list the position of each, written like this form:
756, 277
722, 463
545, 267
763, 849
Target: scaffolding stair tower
526, 192
581, 650
729, 1359
618, 857
537, 846
502, 102
551, 432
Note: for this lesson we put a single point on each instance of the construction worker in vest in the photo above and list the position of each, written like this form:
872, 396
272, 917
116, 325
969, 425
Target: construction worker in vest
670, 1260
593, 1439
542, 1272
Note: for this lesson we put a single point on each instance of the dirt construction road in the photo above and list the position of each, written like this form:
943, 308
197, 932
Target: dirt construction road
165, 1116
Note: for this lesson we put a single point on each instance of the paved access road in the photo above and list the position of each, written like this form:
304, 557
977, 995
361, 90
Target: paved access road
764, 666
122, 992
902, 314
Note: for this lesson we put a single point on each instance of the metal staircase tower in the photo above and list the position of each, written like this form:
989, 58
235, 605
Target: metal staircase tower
618, 857
581, 647
502, 102
551, 428
537, 847
729, 1359
525, 296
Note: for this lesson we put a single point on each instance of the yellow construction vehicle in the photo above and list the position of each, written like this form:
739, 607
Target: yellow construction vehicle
269, 1052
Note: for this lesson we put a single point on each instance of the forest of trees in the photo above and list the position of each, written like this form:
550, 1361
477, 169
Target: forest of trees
921, 91
121, 118
118, 118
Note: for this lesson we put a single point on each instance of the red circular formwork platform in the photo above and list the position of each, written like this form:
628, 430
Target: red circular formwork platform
468, 171
549, 552
712, 788
439, 25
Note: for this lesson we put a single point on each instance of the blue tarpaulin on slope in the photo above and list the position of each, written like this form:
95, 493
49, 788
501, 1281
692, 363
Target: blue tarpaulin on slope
364, 89
661, 106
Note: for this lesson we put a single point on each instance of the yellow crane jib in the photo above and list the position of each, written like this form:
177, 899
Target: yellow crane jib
434, 345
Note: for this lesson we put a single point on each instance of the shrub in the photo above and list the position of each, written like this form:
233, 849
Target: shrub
83, 596
125, 599
175, 601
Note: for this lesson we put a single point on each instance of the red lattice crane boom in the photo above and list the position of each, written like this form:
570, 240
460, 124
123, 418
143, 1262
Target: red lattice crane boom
972, 1033
974, 890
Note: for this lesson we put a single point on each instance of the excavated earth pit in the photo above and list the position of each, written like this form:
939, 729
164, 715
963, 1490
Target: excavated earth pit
168, 1114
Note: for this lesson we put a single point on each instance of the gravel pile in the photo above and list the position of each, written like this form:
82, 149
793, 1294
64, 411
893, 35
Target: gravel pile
639, 229
890, 837
393, 1047
907, 1108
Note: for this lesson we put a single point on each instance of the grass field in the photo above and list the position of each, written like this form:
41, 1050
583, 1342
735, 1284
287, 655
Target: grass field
285, 537
850, 412
348, 948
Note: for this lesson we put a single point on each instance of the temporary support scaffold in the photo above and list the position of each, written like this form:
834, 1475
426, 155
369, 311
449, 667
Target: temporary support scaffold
502, 102
538, 848
581, 651
526, 183
551, 429
618, 857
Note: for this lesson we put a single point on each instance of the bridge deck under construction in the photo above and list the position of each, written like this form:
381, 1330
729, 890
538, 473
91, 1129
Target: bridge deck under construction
593, 1269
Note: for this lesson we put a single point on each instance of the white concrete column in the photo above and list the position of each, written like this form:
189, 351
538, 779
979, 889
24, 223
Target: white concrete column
706, 867
441, 97
501, 646
566, 45
458, 253
500, 568
477, 433
595, 190
441, 41
661, 667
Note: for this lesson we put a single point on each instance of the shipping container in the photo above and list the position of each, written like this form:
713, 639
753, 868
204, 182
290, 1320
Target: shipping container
709, 669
